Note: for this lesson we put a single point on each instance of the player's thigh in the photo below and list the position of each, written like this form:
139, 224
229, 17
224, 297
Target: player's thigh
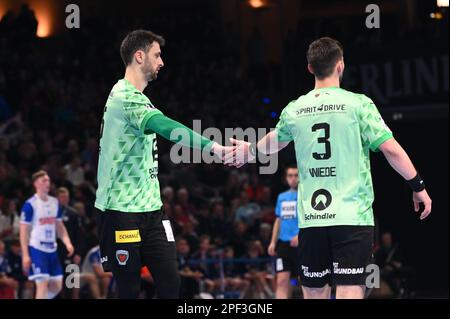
159, 254
120, 238
283, 278
283, 259
350, 292
314, 255
352, 248
55, 268
158, 242
317, 292
40, 263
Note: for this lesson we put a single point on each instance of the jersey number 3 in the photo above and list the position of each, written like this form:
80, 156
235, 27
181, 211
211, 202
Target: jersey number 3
323, 140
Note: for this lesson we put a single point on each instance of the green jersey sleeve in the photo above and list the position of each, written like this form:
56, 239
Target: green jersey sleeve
167, 128
283, 130
374, 130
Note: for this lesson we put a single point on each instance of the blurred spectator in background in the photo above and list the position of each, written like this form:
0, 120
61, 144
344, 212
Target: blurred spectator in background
239, 238
188, 232
190, 279
183, 200
254, 189
8, 285
75, 228
265, 236
89, 155
74, 225
204, 220
26, 23
257, 273
395, 276
203, 263
92, 276
9, 221
220, 227
74, 171
248, 212
14, 258
267, 207
233, 280
168, 195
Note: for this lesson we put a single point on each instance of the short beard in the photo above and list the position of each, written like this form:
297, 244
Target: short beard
149, 74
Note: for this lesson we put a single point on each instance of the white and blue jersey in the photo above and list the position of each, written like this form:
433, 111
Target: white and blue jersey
286, 210
42, 217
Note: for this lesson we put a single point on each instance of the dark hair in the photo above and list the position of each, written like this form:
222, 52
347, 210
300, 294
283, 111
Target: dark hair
138, 40
62, 190
290, 166
323, 54
38, 174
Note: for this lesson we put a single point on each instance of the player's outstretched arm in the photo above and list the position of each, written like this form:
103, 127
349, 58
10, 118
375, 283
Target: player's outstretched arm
179, 133
400, 161
246, 151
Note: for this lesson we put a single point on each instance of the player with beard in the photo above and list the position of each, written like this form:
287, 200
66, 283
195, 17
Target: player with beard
133, 229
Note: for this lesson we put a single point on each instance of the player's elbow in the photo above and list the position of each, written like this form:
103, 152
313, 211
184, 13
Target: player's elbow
390, 148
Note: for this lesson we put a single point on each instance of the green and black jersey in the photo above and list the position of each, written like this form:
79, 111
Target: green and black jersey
333, 131
128, 162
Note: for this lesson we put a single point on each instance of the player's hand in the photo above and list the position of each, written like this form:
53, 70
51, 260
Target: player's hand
221, 151
294, 241
26, 263
240, 156
271, 249
70, 249
422, 197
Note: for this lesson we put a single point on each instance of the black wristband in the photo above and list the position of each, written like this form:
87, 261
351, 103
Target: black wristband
416, 184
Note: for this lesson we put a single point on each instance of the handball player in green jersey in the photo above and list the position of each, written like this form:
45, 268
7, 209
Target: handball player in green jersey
133, 229
334, 131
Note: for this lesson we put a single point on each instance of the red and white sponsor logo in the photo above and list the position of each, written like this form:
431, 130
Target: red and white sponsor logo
122, 257
47, 221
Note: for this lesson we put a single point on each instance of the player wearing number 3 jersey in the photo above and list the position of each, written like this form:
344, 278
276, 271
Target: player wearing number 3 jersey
334, 131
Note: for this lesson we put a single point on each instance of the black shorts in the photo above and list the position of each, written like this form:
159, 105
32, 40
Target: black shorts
336, 255
129, 241
287, 257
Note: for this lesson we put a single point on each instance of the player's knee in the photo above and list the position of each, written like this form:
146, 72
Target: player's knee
283, 279
55, 286
316, 293
350, 292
